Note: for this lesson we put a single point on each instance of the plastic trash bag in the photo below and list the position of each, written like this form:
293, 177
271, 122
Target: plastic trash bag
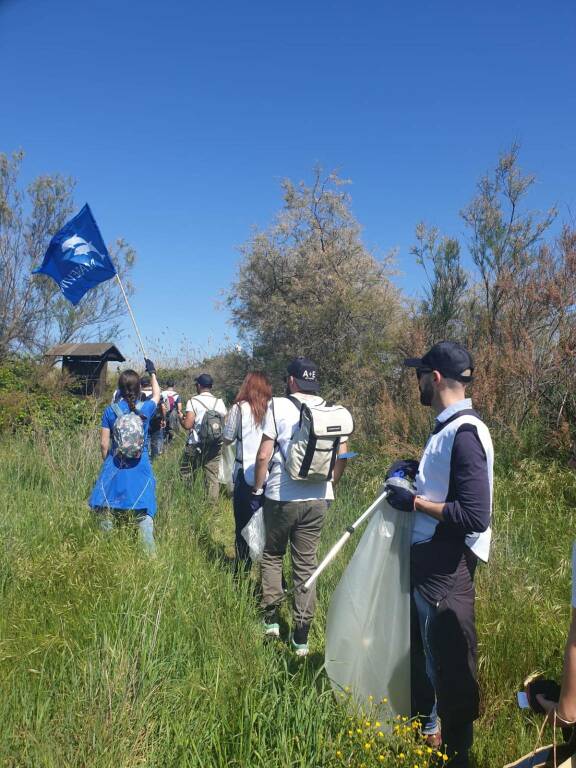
226, 466
254, 534
368, 623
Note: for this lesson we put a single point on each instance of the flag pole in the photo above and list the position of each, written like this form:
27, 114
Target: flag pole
131, 313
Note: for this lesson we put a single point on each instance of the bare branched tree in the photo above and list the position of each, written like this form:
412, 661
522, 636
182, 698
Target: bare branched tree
33, 313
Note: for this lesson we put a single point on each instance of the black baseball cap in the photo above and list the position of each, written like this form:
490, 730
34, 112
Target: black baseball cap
448, 358
204, 380
305, 373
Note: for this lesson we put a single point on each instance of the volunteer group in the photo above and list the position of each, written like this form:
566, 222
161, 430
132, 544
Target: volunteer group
289, 453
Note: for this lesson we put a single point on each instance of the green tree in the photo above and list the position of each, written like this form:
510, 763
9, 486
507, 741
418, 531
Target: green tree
308, 286
33, 313
443, 305
504, 237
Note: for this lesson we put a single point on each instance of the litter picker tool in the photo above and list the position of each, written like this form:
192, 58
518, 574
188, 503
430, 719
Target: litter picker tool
342, 540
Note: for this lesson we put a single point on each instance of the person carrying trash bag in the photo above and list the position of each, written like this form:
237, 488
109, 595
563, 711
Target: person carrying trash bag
451, 504
244, 426
302, 437
126, 486
204, 418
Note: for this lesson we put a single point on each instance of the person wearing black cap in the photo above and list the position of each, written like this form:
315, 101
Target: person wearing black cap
294, 510
452, 505
196, 455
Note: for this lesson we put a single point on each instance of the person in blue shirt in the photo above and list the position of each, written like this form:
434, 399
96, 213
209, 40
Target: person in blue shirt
127, 486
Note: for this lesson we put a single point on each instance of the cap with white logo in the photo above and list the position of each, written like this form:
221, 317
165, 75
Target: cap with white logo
305, 373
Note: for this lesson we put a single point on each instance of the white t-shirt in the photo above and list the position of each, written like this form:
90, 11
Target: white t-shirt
198, 405
280, 423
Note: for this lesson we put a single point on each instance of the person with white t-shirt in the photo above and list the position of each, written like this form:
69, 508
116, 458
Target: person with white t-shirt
294, 510
244, 426
196, 454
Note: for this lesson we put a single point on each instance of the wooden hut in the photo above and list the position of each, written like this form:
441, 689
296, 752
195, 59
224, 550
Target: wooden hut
88, 364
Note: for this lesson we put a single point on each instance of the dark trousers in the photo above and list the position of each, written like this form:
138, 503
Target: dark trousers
245, 504
444, 660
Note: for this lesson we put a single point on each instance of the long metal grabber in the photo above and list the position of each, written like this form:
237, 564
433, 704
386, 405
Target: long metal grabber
341, 541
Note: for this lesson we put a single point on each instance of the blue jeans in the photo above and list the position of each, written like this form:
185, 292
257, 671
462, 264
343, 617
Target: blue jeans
155, 443
426, 613
145, 524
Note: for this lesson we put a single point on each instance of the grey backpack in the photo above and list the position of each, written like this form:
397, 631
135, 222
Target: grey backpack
313, 449
128, 432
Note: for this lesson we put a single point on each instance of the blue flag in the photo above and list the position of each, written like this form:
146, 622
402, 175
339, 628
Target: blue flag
77, 258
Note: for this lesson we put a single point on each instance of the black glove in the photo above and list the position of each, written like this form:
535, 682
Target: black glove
400, 497
150, 367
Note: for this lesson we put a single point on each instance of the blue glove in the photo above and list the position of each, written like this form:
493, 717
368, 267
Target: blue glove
150, 367
400, 497
407, 468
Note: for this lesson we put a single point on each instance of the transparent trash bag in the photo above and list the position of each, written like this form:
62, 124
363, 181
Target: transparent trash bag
255, 534
368, 623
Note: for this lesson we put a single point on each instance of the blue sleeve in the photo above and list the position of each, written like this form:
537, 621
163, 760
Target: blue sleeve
108, 418
467, 509
148, 408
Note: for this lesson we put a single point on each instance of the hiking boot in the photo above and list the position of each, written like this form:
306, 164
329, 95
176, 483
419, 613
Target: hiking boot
300, 649
271, 625
299, 640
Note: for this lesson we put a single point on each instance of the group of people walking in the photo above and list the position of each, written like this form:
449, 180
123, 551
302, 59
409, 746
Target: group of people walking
450, 502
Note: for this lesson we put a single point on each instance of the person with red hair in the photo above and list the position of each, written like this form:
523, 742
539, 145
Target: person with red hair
244, 425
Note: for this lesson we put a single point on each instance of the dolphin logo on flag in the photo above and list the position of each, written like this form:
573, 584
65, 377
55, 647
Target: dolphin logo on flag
77, 258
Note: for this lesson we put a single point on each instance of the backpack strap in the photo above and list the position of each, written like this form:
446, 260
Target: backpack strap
204, 404
117, 410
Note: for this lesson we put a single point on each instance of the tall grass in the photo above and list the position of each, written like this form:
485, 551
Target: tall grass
108, 658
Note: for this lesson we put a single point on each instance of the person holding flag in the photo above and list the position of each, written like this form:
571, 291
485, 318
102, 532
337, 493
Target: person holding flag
78, 261
126, 483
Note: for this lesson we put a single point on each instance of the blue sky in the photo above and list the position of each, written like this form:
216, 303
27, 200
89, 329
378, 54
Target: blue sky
179, 120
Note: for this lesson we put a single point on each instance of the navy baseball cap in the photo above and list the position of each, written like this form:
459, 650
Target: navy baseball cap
204, 380
450, 359
305, 373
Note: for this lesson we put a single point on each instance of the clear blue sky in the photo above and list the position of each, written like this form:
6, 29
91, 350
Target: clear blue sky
179, 119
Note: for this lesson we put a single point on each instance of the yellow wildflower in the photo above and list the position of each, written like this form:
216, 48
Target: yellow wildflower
377, 724
444, 757
338, 753
350, 733
367, 745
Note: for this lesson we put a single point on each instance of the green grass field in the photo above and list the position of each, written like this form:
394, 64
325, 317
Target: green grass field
110, 659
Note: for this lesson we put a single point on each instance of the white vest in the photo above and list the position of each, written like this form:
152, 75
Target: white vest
433, 480
247, 442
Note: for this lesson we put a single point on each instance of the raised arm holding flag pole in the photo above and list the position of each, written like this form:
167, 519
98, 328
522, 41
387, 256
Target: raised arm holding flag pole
78, 260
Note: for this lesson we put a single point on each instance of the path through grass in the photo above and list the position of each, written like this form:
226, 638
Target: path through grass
109, 659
